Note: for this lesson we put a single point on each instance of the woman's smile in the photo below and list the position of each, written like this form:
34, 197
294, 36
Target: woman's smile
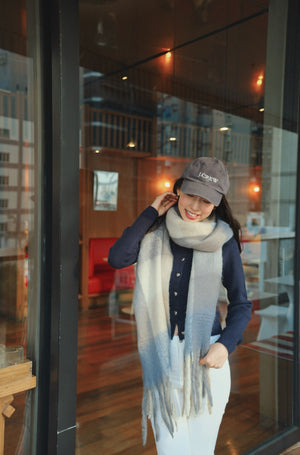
191, 215
194, 208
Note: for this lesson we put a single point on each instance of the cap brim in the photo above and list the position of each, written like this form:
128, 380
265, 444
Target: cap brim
204, 191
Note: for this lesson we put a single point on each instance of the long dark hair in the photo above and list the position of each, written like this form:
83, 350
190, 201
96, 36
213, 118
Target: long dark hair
222, 211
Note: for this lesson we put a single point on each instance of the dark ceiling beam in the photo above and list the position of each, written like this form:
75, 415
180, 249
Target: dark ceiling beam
124, 69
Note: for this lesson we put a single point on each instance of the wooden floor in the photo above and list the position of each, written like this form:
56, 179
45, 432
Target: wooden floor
110, 390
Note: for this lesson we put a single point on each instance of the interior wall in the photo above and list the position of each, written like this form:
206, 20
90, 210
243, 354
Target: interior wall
108, 223
141, 180
153, 175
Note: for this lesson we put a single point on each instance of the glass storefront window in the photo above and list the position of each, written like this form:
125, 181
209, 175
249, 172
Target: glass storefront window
17, 197
162, 83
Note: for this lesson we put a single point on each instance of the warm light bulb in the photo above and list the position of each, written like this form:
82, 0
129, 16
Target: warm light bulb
260, 80
254, 188
168, 55
131, 145
172, 139
167, 184
224, 128
124, 78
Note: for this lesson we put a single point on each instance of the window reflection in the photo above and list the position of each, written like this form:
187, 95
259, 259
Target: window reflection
16, 185
17, 189
168, 83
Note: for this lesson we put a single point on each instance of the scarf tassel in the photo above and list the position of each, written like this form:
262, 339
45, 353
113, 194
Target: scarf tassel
159, 398
196, 387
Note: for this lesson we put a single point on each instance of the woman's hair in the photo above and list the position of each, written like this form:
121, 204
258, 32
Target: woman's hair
222, 211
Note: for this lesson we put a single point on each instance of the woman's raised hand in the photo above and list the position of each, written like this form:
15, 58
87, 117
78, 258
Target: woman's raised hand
164, 201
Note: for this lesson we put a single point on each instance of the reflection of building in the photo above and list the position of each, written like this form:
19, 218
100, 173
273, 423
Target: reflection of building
16, 170
16, 153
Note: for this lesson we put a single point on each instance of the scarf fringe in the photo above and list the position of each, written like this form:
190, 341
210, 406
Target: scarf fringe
196, 387
154, 399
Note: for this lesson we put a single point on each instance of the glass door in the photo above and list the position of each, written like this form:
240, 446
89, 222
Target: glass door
162, 83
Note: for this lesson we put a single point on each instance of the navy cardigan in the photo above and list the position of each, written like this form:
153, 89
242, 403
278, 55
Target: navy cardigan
125, 252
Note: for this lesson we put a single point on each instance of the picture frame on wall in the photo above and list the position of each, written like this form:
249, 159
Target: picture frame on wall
105, 190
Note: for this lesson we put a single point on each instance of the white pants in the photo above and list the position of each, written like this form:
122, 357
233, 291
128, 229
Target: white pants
194, 435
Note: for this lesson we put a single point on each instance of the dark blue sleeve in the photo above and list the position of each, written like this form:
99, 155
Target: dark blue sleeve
239, 308
126, 249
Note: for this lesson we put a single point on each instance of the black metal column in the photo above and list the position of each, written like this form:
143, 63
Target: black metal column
64, 223
53, 35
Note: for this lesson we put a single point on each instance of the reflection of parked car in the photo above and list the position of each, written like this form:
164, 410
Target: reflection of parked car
102, 277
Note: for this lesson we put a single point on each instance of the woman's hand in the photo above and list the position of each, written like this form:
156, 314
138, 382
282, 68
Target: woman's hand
164, 201
216, 356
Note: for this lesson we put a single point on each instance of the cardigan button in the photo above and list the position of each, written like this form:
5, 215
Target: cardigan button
182, 259
175, 293
178, 274
175, 312
182, 333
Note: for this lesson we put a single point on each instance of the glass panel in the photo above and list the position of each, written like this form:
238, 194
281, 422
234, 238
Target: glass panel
17, 189
162, 83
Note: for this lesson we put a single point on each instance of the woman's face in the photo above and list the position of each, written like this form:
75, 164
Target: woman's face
193, 208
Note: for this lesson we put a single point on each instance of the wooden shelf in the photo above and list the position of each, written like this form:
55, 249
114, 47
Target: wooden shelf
16, 378
13, 379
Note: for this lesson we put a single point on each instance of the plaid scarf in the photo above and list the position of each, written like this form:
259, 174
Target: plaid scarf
151, 305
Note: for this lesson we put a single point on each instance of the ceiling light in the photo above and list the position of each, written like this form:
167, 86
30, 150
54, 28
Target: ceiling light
131, 145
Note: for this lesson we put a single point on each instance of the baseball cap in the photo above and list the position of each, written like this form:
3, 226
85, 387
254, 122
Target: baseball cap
206, 177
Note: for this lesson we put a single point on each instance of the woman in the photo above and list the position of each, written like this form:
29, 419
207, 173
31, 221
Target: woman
186, 244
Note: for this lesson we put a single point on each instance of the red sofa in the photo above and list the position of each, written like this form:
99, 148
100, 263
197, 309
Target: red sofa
103, 277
